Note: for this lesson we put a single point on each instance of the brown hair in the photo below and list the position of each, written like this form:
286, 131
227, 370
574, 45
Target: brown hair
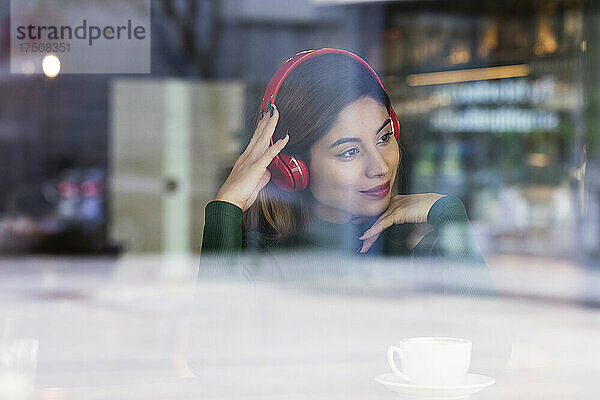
309, 102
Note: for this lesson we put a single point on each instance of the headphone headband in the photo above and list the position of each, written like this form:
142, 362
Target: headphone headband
291, 63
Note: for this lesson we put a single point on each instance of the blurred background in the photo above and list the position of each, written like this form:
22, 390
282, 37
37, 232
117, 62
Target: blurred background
104, 179
498, 103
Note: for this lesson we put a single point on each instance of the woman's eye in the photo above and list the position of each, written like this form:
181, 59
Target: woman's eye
354, 151
348, 153
386, 138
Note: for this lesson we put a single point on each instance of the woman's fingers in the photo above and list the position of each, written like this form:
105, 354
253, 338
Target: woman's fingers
392, 208
378, 227
249, 173
368, 243
272, 151
369, 232
402, 209
263, 164
263, 133
269, 128
256, 134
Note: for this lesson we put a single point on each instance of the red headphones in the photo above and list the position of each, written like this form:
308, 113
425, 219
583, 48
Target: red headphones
289, 173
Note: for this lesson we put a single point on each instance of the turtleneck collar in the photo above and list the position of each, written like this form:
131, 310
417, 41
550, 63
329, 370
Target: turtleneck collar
340, 236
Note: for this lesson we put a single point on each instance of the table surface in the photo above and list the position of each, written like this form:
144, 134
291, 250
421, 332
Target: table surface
135, 329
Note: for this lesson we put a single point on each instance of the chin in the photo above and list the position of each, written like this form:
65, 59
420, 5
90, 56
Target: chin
373, 208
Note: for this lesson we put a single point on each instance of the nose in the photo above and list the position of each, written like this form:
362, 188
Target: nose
376, 165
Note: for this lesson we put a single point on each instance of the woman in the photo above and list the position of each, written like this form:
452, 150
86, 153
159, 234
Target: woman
333, 113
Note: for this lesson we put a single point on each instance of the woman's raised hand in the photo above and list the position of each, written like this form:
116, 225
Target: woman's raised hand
250, 174
403, 208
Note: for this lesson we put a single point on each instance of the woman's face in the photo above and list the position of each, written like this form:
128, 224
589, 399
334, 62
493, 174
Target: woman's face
358, 154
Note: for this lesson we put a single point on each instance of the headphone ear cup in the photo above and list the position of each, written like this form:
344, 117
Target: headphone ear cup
294, 173
281, 175
304, 179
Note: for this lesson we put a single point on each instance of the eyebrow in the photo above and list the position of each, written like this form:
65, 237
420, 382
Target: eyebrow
348, 139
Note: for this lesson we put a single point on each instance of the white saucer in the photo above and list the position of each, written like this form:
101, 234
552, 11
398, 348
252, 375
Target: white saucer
473, 384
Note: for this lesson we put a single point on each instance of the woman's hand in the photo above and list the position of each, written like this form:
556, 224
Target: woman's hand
407, 208
250, 174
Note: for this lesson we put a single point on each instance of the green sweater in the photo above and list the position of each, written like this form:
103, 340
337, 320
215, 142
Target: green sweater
452, 241
452, 237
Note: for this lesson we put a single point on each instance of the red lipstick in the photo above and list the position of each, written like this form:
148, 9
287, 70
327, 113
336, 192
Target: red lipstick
377, 192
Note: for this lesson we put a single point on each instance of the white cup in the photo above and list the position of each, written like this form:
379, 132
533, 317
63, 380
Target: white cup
432, 360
